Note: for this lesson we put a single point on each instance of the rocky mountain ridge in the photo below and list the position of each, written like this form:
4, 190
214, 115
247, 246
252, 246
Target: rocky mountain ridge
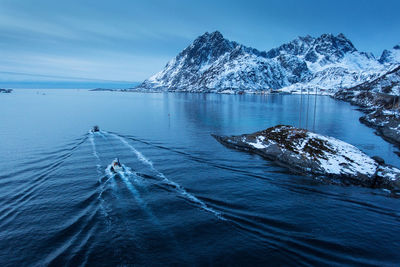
214, 64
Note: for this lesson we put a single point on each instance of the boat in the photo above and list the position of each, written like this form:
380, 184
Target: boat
95, 129
116, 166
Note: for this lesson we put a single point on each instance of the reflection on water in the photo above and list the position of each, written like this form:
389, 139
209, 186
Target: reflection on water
182, 198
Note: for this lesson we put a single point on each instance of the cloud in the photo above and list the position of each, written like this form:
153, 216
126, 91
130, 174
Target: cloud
131, 40
110, 66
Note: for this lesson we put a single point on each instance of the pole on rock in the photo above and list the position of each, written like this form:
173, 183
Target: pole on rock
301, 104
308, 104
315, 106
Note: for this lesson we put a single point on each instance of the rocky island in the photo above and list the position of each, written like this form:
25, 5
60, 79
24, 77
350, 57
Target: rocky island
327, 158
110, 90
5, 91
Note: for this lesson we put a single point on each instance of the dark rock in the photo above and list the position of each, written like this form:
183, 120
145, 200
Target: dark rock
102, 89
6, 91
321, 156
378, 159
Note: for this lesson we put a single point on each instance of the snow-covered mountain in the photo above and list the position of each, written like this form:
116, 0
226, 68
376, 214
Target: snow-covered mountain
380, 100
214, 64
391, 56
374, 93
333, 61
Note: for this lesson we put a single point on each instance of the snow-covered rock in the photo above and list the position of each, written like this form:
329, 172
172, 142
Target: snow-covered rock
380, 99
214, 64
391, 57
309, 153
386, 122
388, 83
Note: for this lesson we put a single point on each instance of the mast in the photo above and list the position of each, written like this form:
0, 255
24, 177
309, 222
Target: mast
301, 104
315, 106
308, 104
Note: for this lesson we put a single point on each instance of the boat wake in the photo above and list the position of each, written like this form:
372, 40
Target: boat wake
126, 175
100, 175
95, 154
178, 188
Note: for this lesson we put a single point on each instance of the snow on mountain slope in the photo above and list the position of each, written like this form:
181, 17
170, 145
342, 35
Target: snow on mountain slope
333, 61
332, 79
214, 64
188, 65
380, 101
387, 84
317, 52
248, 71
391, 57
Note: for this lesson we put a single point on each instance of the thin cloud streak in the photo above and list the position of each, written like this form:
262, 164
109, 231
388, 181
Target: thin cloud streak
60, 78
131, 40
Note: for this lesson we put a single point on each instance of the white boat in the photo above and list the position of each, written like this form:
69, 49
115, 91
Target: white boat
95, 129
116, 166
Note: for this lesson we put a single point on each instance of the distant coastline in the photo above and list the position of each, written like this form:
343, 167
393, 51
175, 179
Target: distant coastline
5, 91
66, 85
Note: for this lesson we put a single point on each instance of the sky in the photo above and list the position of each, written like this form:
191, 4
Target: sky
128, 41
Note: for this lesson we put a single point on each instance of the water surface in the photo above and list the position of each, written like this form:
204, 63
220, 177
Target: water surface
183, 197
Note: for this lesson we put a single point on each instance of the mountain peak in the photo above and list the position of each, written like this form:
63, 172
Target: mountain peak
339, 44
213, 37
209, 45
327, 45
216, 34
213, 63
391, 56
341, 36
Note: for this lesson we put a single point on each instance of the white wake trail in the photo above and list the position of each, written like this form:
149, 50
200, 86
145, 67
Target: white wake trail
99, 173
96, 155
101, 133
179, 188
125, 174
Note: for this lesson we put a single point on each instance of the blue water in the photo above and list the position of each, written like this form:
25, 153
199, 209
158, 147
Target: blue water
182, 198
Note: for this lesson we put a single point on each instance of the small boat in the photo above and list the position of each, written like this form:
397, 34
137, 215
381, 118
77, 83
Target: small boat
95, 129
116, 166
